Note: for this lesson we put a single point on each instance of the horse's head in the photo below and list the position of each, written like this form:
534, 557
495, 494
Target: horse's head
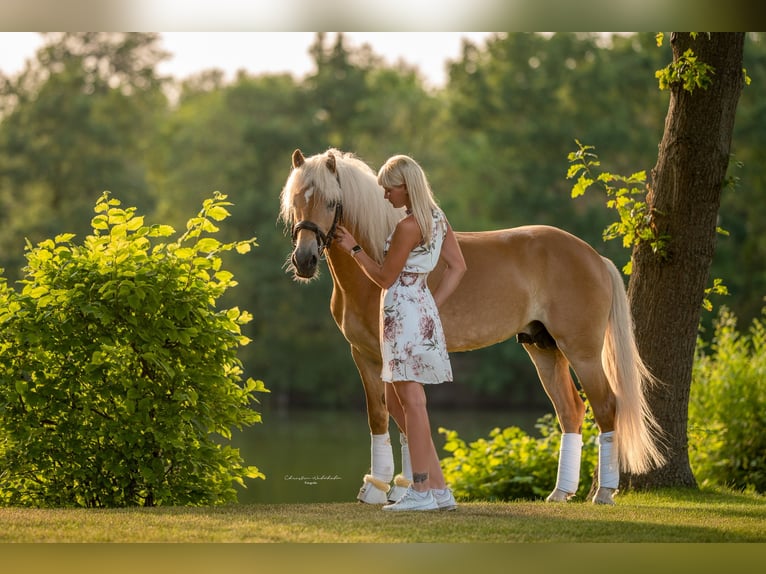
321, 190
312, 208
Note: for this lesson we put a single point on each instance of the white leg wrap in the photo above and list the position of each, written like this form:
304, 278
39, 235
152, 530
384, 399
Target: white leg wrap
608, 463
375, 487
406, 462
570, 455
382, 464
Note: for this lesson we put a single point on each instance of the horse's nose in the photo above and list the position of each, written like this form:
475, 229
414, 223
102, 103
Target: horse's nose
305, 263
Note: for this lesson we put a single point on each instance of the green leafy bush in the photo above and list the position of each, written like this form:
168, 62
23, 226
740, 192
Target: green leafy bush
727, 407
119, 379
510, 464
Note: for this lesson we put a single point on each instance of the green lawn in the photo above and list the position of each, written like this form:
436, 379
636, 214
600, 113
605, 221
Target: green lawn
572, 538
659, 517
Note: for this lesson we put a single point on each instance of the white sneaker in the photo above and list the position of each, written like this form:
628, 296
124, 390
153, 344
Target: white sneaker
414, 500
444, 498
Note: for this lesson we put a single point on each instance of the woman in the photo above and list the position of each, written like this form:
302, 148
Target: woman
413, 347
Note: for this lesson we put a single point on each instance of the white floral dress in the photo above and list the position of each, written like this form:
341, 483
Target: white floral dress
412, 340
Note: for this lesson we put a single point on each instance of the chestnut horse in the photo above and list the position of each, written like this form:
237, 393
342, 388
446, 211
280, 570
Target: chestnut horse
563, 301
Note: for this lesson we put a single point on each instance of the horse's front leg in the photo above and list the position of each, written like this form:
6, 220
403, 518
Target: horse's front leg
376, 485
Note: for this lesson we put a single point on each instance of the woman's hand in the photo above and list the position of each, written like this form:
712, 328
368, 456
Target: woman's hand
344, 238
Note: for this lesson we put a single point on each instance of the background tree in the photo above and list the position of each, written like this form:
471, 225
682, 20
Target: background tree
666, 290
77, 121
494, 141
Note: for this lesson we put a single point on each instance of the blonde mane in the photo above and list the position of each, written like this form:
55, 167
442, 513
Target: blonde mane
366, 213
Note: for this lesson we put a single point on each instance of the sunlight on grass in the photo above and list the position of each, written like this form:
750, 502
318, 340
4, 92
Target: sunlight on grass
672, 516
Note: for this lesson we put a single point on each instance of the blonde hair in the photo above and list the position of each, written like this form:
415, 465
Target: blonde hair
403, 170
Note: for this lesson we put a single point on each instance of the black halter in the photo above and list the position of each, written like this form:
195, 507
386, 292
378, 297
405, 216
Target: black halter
323, 240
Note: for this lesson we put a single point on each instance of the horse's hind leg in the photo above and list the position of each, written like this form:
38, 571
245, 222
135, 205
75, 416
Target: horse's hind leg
553, 370
593, 380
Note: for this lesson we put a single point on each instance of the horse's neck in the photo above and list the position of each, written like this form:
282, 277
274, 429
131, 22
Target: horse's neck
349, 281
344, 270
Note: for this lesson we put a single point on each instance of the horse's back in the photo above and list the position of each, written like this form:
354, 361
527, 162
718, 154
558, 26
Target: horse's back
519, 275
539, 252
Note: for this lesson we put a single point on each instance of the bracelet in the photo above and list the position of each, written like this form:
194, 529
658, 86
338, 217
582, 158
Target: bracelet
354, 250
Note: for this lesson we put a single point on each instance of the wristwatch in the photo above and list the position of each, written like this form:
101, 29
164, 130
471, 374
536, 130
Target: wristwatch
355, 249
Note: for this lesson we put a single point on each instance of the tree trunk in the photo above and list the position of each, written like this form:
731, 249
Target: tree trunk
666, 293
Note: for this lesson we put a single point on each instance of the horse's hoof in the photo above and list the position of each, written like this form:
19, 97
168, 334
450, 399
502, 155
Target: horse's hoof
604, 496
558, 496
372, 491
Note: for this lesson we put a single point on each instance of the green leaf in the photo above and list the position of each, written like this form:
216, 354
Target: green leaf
224, 276
583, 183
218, 213
208, 245
64, 237
161, 231
135, 223
574, 169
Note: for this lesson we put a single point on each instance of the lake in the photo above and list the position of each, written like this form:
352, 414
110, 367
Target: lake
321, 456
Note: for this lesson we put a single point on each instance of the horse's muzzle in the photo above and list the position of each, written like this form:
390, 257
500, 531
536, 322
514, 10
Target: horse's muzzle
305, 262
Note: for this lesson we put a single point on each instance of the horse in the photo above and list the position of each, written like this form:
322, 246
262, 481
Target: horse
564, 302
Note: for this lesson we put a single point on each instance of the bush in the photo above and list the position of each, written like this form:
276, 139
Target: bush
119, 379
513, 465
727, 407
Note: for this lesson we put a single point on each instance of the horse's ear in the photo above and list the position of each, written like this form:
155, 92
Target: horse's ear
331, 162
298, 159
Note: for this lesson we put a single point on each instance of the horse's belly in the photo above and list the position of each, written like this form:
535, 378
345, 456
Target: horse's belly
475, 317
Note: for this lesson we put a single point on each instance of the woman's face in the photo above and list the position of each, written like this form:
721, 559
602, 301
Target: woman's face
397, 195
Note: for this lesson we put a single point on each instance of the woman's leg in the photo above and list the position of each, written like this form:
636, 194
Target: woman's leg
426, 469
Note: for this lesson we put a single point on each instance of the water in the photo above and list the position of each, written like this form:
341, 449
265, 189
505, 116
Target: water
321, 456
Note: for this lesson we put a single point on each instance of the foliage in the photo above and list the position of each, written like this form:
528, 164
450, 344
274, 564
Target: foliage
727, 406
494, 142
510, 464
635, 223
687, 71
118, 375
76, 121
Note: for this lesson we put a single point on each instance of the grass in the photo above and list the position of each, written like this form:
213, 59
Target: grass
660, 517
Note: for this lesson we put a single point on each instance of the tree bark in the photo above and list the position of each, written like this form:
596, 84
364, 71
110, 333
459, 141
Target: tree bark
666, 293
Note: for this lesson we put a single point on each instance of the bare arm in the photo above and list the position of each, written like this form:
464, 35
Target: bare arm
452, 255
406, 236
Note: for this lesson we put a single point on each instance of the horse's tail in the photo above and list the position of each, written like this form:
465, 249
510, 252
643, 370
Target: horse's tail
637, 433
